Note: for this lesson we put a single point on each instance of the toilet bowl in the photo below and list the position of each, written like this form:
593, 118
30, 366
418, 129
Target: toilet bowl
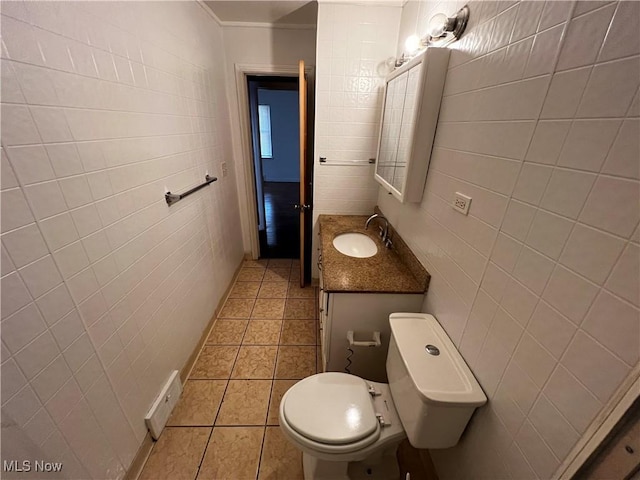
339, 420
350, 428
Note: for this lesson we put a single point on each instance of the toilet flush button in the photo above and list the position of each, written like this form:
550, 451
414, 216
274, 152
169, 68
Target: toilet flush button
432, 349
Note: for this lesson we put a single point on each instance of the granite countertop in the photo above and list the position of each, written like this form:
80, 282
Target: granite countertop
394, 270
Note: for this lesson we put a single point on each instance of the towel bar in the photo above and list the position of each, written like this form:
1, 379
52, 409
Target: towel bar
172, 198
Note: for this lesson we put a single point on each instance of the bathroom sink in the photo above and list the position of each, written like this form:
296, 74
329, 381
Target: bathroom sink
355, 245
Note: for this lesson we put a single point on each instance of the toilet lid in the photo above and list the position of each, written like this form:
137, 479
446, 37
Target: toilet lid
332, 407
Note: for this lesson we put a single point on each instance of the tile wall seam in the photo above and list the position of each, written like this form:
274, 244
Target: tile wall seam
556, 59
597, 63
498, 122
186, 259
585, 332
524, 457
599, 172
31, 262
448, 254
160, 305
606, 35
498, 157
443, 277
600, 344
589, 392
130, 216
480, 187
167, 319
112, 110
555, 369
76, 307
169, 239
446, 202
525, 416
20, 187
117, 82
537, 121
492, 19
558, 364
497, 86
527, 420
107, 139
602, 286
556, 262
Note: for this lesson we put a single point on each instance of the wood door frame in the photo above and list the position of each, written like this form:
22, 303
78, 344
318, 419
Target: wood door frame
303, 125
242, 71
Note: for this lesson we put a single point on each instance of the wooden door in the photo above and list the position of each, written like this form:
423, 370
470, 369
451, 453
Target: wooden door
303, 207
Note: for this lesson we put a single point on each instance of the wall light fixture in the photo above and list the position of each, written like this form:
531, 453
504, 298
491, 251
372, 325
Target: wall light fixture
441, 31
440, 25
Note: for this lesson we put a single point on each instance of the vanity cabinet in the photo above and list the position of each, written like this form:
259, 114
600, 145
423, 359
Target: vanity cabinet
412, 99
359, 294
363, 313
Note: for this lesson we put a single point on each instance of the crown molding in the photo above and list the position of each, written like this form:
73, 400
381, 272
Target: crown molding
368, 3
209, 12
284, 26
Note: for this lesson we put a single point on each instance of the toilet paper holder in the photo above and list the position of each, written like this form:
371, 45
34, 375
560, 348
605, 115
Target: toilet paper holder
374, 342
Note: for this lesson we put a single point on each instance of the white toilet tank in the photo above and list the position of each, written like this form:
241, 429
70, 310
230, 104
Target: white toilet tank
433, 389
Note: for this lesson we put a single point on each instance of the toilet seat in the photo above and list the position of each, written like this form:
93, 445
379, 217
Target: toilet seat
331, 412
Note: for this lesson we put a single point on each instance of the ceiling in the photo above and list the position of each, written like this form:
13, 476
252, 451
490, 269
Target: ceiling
289, 12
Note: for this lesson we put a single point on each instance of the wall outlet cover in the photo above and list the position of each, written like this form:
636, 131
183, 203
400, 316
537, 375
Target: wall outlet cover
461, 203
159, 412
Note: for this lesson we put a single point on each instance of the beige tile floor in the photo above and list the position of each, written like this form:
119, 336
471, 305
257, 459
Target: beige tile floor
226, 423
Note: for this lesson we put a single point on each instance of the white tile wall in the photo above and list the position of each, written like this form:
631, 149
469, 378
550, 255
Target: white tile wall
539, 126
353, 43
105, 289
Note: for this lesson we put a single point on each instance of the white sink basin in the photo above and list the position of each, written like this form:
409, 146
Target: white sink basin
355, 245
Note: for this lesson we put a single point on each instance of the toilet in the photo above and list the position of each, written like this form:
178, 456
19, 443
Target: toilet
350, 428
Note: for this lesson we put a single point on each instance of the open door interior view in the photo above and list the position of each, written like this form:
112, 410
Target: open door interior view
278, 139
273, 103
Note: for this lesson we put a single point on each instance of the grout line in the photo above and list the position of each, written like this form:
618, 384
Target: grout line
204, 453
510, 196
228, 379
240, 425
112, 110
520, 120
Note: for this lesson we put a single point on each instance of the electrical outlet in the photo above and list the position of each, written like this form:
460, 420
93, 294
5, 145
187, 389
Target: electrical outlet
461, 203
223, 166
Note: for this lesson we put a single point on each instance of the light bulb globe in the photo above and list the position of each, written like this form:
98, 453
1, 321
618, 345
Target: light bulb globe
412, 44
437, 25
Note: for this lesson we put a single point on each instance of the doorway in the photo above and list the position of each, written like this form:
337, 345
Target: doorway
274, 115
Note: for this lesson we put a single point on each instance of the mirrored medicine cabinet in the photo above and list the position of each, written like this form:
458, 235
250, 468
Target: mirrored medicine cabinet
413, 93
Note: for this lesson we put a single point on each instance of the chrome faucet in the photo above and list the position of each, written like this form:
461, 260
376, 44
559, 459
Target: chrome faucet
384, 232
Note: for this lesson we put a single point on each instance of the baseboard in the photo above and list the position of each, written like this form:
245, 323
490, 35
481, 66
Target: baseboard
186, 370
135, 469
